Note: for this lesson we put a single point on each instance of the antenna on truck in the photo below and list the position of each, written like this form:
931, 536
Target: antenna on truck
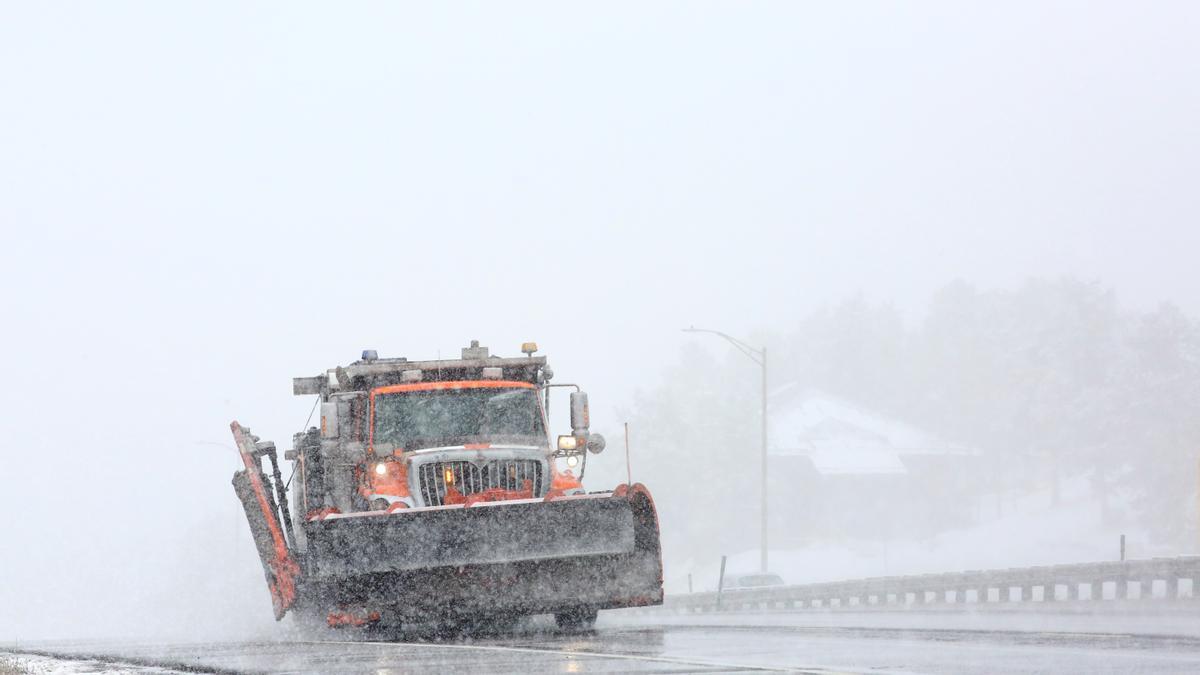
628, 469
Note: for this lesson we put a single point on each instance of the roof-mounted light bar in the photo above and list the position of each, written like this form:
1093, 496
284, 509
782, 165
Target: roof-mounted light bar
372, 370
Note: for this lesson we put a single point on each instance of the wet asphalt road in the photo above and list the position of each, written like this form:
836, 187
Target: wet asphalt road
684, 647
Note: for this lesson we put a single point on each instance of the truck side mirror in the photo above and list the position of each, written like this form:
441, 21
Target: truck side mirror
342, 416
580, 419
595, 444
329, 419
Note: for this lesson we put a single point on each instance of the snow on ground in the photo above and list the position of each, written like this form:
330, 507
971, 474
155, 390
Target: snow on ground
29, 664
1030, 532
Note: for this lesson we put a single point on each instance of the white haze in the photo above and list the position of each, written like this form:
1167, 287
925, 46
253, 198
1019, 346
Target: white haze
201, 201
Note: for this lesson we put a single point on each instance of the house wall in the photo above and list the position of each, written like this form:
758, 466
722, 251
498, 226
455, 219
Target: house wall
808, 507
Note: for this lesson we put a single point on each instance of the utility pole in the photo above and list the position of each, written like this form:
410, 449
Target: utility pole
759, 356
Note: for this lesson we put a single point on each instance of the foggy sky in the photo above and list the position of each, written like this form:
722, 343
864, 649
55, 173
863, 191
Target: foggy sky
202, 201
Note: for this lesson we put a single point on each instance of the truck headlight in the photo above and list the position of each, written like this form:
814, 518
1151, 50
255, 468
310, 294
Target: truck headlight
381, 469
573, 461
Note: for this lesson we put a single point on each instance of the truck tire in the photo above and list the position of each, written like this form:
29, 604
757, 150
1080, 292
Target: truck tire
579, 618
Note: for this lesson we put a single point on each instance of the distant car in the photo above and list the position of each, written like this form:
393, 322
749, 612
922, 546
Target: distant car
760, 580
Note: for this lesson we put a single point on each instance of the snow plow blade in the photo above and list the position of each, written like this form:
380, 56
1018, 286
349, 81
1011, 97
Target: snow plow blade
529, 556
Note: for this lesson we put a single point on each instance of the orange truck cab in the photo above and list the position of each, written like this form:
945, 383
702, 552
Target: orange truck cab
486, 439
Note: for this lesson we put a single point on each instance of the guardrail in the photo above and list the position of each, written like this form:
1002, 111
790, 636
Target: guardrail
1157, 579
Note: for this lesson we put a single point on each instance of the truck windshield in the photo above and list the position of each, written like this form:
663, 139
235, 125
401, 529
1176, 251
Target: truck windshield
425, 419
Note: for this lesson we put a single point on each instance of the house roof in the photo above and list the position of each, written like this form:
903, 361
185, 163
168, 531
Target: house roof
841, 438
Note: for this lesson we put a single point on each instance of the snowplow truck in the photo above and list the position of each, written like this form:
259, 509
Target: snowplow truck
432, 491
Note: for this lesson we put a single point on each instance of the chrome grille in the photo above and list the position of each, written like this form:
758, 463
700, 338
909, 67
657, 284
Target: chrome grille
474, 477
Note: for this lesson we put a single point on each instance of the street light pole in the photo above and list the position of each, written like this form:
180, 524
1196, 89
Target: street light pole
762, 564
759, 356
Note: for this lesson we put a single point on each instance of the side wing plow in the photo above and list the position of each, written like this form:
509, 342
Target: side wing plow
278, 559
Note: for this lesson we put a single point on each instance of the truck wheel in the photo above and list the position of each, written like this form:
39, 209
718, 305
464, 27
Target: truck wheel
579, 618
